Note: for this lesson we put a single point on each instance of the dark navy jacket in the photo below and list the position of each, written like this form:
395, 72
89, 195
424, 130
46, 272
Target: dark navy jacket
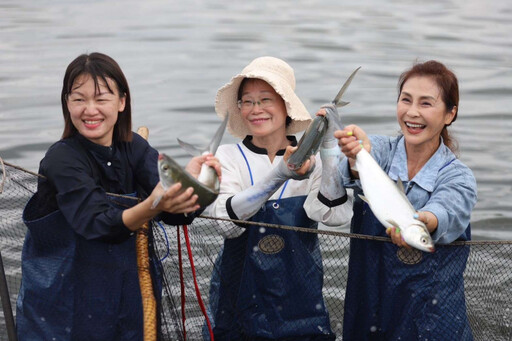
79, 268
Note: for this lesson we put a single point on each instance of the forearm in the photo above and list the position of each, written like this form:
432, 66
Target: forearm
246, 203
332, 192
136, 216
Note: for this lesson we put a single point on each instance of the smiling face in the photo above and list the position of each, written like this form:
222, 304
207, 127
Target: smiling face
422, 114
266, 121
93, 111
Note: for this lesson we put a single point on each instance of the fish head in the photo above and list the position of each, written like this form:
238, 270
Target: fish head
417, 236
294, 166
168, 171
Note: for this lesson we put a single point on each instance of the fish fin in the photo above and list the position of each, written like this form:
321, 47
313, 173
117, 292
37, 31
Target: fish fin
192, 150
400, 185
342, 104
337, 99
364, 199
392, 222
214, 144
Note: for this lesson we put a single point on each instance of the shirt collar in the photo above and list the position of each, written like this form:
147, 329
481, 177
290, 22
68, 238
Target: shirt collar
103, 151
426, 177
248, 143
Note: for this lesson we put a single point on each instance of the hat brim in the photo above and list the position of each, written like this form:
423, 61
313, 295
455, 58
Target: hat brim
227, 97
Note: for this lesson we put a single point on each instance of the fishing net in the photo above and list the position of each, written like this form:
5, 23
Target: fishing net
188, 257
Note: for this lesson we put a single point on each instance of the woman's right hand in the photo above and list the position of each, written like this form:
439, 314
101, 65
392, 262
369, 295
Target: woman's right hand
174, 200
351, 140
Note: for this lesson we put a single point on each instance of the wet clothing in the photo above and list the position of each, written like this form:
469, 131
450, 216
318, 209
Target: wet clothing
395, 294
79, 267
267, 283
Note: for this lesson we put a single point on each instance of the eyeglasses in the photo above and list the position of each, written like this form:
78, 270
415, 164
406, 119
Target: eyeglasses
247, 105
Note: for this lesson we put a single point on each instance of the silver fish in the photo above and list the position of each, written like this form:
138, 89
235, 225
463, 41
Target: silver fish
313, 136
389, 203
171, 172
207, 185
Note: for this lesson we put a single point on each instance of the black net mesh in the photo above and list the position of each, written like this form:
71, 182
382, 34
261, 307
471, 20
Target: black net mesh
487, 277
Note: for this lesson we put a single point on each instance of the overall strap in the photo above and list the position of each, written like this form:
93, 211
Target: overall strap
246, 162
276, 204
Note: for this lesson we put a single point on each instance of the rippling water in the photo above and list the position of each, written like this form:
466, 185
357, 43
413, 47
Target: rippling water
177, 54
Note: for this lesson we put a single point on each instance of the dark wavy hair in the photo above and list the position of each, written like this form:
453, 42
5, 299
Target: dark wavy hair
99, 67
447, 83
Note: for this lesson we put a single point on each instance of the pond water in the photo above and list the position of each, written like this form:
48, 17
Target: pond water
177, 54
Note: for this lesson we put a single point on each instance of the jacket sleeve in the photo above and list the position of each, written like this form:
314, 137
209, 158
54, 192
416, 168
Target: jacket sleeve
456, 186
320, 210
83, 203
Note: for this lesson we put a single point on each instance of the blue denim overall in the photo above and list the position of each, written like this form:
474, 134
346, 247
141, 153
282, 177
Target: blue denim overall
395, 294
77, 289
268, 282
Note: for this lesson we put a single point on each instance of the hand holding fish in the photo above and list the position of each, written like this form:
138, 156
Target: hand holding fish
298, 174
429, 219
195, 164
396, 237
330, 111
351, 140
426, 217
173, 200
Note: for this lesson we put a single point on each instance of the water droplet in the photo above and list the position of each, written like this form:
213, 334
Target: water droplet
318, 306
434, 301
373, 329
255, 248
262, 230
43, 319
320, 328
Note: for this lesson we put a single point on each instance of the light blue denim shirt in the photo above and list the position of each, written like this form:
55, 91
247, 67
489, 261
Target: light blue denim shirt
444, 186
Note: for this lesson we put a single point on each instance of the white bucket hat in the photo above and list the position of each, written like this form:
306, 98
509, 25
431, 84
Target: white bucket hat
280, 76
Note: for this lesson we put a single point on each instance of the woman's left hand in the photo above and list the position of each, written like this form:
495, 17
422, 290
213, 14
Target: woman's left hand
194, 165
306, 168
396, 237
429, 219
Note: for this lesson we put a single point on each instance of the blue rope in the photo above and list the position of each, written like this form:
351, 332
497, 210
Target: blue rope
276, 204
247, 162
166, 241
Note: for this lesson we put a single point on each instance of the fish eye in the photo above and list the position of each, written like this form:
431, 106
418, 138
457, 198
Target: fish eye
165, 167
424, 240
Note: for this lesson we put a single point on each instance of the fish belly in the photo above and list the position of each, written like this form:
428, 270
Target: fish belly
382, 193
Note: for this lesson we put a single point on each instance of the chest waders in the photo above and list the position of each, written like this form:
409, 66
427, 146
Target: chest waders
395, 294
77, 289
271, 279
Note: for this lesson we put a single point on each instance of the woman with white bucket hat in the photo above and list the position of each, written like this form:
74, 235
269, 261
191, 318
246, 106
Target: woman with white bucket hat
267, 282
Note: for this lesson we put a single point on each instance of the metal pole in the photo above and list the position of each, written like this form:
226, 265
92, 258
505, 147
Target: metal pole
6, 304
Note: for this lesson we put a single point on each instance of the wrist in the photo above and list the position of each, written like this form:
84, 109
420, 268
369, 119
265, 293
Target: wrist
330, 152
329, 142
